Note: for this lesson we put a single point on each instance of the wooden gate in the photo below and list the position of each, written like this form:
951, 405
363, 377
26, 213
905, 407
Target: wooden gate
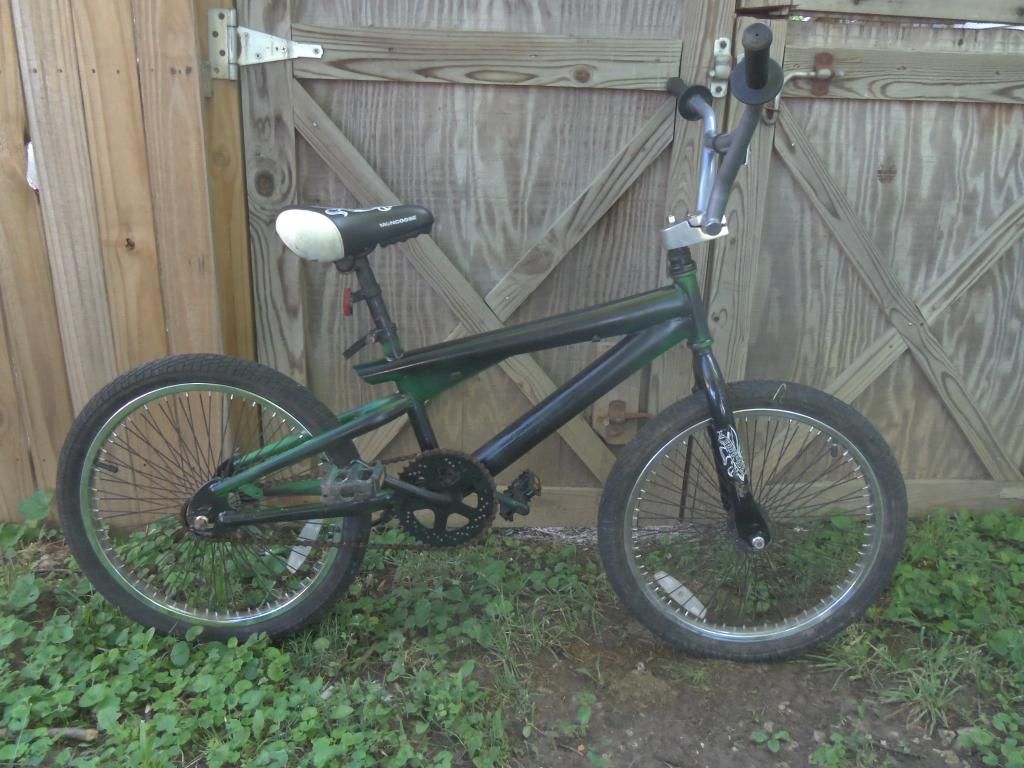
541, 151
897, 212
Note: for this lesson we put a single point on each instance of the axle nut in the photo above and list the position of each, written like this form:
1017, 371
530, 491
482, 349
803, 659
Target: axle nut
757, 542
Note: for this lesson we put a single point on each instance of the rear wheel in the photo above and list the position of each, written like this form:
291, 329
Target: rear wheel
831, 492
138, 452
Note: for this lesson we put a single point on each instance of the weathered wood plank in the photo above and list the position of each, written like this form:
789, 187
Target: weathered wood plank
46, 47
269, 133
993, 245
165, 37
16, 477
913, 75
26, 293
800, 157
117, 146
487, 58
732, 276
1006, 11
428, 259
671, 376
225, 163
531, 269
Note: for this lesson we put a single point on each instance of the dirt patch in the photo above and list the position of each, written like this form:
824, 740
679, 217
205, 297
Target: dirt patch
652, 708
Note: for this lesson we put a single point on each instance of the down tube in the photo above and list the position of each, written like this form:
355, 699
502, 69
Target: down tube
625, 358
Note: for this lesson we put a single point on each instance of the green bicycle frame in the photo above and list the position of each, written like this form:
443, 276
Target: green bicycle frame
651, 322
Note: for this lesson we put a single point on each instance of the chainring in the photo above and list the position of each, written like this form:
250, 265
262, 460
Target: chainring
473, 506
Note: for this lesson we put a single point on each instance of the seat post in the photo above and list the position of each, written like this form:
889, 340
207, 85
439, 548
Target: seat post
369, 291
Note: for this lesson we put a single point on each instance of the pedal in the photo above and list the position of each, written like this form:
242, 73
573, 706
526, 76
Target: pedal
516, 498
358, 481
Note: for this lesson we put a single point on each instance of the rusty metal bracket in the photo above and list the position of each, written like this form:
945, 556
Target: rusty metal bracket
617, 417
821, 77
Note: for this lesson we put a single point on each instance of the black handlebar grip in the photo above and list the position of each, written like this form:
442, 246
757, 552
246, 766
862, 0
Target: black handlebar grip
685, 94
757, 43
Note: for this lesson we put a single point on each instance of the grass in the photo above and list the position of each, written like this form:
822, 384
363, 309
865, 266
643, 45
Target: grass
423, 665
430, 661
946, 645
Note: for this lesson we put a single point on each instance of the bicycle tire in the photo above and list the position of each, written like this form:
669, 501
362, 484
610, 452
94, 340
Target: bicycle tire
105, 529
660, 552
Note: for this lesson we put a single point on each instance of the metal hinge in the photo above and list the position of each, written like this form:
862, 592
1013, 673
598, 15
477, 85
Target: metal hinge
232, 46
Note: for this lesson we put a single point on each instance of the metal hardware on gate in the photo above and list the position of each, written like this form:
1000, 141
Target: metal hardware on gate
680, 234
232, 46
615, 421
721, 67
820, 77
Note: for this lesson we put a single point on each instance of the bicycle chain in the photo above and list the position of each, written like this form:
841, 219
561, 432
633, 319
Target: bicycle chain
318, 544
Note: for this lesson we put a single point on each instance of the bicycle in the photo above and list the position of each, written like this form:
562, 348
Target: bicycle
747, 521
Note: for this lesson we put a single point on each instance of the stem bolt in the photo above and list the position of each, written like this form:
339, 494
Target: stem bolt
757, 542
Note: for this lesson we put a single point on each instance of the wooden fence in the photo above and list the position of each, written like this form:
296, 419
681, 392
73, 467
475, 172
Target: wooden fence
114, 260
539, 136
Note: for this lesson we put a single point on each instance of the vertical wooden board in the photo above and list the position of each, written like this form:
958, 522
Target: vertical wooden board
927, 443
927, 178
26, 291
621, 255
16, 477
982, 332
733, 276
225, 163
269, 135
117, 146
811, 315
165, 34
46, 47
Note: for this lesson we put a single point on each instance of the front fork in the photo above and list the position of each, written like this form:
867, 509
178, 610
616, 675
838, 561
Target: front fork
732, 469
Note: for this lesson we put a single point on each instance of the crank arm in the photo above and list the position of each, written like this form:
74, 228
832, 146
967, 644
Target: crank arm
430, 497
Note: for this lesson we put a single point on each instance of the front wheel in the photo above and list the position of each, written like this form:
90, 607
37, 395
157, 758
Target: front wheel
828, 486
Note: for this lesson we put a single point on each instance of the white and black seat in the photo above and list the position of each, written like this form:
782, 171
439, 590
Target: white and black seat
337, 234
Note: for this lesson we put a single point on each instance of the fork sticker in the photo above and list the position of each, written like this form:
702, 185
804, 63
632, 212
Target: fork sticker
732, 458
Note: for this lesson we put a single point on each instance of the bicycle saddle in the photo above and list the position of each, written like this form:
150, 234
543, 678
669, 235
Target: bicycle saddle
333, 234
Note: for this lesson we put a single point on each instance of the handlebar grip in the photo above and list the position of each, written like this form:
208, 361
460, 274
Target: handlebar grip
685, 96
757, 43
675, 86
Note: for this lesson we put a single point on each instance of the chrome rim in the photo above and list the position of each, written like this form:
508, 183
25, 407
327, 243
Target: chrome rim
143, 466
825, 511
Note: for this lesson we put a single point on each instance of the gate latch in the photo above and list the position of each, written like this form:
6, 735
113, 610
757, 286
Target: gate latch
232, 46
820, 77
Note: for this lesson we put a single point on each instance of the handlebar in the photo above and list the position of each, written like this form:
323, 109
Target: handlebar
757, 44
755, 80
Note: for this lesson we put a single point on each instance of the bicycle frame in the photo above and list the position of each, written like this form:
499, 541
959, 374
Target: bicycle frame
651, 322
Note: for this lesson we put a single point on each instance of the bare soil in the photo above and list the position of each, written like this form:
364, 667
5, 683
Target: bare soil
658, 709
